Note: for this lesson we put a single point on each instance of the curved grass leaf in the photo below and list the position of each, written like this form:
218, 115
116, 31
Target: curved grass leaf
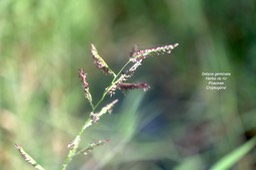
229, 160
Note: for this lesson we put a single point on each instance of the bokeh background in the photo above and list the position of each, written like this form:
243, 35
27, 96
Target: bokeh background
177, 124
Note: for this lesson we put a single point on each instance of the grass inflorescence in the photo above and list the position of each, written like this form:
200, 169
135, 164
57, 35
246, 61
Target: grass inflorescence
119, 82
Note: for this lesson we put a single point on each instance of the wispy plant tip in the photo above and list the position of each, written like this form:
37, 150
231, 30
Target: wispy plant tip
100, 63
85, 85
28, 158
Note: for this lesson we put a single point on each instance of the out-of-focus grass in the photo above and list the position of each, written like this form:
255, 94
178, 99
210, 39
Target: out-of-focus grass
43, 43
229, 160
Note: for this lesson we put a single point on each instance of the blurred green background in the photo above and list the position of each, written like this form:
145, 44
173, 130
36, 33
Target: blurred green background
177, 124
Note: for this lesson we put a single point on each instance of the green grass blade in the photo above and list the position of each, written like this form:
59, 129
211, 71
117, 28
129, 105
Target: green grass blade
229, 160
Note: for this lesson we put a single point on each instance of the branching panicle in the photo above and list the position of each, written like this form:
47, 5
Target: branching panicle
136, 57
119, 82
112, 89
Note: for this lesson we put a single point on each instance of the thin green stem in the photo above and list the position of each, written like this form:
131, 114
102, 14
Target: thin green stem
102, 98
92, 106
75, 143
121, 70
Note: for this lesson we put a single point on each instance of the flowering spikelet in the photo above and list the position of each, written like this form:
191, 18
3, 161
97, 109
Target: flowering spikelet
95, 117
123, 77
28, 158
108, 108
75, 143
142, 54
133, 68
92, 146
85, 85
98, 60
112, 89
83, 77
128, 86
